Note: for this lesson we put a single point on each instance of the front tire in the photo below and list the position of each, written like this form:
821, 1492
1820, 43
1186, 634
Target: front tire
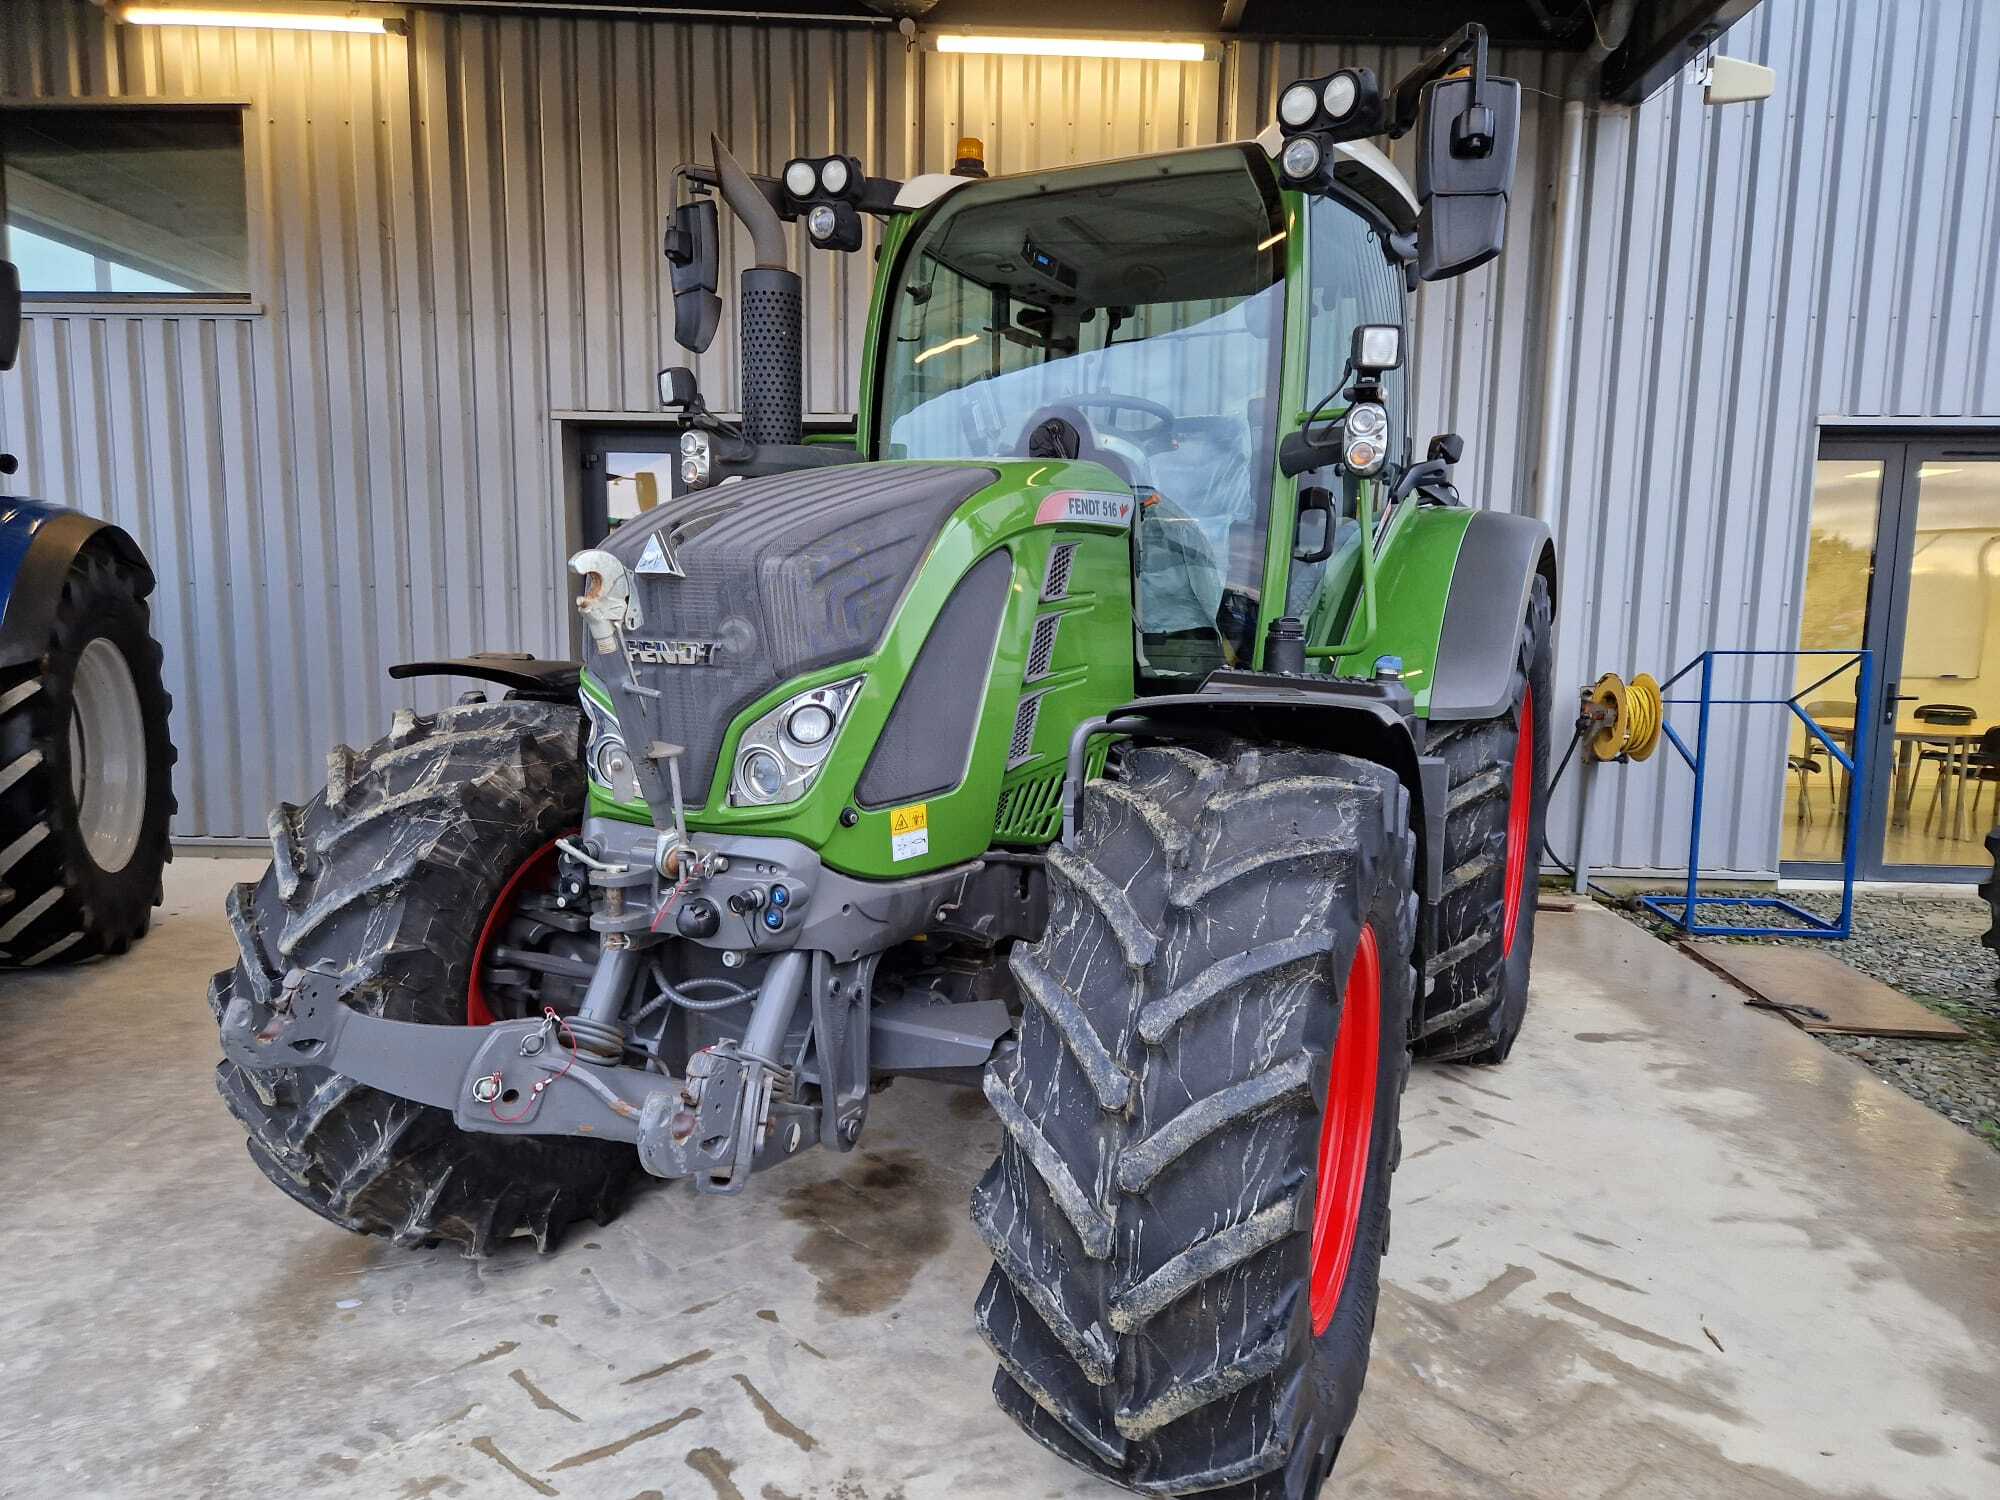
390, 877
1187, 1232
1482, 930
86, 768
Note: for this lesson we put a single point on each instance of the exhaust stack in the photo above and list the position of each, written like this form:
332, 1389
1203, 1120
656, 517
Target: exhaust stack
770, 314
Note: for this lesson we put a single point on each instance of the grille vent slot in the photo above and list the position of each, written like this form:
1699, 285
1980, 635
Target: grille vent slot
1042, 648
1022, 746
1055, 585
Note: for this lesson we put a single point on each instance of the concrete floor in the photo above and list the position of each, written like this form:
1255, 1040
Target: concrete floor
1675, 1248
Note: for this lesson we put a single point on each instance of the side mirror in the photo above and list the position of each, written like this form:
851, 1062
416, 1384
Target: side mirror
693, 245
10, 314
677, 388
1467, 132
1448, 447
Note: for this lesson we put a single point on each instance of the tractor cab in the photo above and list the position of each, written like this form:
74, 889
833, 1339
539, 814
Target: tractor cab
1185, 323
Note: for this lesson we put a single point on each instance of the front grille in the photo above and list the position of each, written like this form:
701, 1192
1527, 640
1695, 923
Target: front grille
1042, 648
1031, 810
1055, 583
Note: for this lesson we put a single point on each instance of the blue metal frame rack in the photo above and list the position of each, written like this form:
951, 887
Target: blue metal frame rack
1682, 910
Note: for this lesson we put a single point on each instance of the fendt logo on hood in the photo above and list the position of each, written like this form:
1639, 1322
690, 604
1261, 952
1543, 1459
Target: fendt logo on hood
648, 653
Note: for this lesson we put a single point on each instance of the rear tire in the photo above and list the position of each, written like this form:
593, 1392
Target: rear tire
389, 875
1152, 1211
86, 769
1481, 936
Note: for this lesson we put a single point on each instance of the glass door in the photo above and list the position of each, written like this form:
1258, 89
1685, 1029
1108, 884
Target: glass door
1903, 557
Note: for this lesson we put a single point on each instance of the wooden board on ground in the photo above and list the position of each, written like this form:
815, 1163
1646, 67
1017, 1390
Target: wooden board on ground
1855, 1005
1554, 901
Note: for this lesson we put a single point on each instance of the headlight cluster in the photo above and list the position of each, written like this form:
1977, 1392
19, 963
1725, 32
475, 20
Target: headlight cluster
605, 756
781, 754
697, 458
1365, 439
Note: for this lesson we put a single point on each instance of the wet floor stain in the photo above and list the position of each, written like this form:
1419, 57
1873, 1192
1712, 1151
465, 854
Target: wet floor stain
611, 1450
668, 1368
716, 1469
1597, 1276
870, 1230
487, 1446
429, 1486
775, 1419
504, 1347
969, 1104
535, 1394
1564, 1302
1910, 1440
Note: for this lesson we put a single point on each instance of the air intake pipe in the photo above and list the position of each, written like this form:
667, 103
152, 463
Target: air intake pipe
770, 314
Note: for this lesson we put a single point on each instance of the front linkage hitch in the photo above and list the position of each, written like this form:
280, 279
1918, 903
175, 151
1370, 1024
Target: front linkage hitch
816, 1014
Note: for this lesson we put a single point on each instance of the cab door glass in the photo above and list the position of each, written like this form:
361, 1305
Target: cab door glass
1353, 281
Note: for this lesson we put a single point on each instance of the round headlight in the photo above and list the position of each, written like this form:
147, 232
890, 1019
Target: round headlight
1339, 95
833, 176
693, 475
810, 724
822, 222
691, 442
760, 775
1365, 419
1364, 456
1301, 158
799, 178
1296, 105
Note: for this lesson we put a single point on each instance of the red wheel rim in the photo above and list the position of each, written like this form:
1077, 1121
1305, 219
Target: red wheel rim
1345, 1131
1520, 807
539, 866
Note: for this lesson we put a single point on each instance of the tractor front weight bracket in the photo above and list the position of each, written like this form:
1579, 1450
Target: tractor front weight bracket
717, 1125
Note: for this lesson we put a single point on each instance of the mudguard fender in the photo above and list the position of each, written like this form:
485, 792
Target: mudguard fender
38, 545
1498, 562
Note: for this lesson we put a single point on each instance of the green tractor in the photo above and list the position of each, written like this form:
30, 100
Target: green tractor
1120, 719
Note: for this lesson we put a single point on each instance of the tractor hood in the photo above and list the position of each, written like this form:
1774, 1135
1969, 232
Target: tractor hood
743, 587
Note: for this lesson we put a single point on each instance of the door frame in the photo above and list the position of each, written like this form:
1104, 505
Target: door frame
1902, 452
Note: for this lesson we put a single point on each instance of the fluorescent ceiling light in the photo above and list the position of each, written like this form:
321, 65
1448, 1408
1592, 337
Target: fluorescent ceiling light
1072, 46
183, 15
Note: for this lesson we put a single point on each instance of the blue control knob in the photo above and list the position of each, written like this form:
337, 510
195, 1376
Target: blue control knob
781, 895
774, 917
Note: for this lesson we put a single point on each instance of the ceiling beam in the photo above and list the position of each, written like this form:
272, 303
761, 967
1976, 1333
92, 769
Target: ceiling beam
1232, 14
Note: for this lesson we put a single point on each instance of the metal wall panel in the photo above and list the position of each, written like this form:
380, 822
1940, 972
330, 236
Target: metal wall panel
455, 236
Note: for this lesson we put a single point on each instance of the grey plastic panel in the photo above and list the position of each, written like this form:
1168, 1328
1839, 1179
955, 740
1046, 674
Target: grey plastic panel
927, 743
782, 575
1497, 561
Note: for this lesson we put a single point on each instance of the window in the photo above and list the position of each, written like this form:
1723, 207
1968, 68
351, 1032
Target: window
111, 200
1353, 282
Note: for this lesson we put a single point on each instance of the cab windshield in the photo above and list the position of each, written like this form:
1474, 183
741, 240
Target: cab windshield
1130, 314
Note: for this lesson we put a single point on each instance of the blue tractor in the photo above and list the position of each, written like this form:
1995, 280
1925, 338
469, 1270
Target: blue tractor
85, 757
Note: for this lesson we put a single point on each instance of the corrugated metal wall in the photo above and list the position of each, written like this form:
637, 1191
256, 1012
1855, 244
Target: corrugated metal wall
458, 243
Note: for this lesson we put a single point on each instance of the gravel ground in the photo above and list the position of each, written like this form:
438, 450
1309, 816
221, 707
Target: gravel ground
1928, 947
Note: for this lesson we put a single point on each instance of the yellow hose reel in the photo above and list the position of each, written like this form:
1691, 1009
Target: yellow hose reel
1623, 718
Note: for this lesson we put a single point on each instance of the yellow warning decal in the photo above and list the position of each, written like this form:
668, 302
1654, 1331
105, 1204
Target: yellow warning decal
910, 831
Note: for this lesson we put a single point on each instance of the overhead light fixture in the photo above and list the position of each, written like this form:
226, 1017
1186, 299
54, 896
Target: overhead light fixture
334, 18
1072, 46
